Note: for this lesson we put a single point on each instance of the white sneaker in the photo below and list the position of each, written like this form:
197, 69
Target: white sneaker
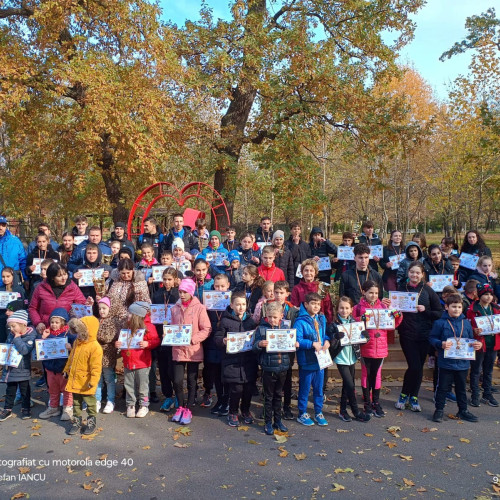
67, 413
50, 412
131, 412
109, 407
97, 406
142, 412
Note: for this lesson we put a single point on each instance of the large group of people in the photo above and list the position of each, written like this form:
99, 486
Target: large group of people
101, 299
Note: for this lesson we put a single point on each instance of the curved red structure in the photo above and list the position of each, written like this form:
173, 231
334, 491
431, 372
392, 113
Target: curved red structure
202, 194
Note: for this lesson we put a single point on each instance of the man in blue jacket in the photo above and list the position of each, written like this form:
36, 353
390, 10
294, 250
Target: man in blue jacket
12, 253
77, 258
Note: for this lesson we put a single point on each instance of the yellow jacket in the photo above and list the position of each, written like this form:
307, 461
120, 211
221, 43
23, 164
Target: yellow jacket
84, 364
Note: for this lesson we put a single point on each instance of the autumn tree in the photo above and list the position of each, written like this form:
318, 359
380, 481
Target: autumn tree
274, 66
87, 100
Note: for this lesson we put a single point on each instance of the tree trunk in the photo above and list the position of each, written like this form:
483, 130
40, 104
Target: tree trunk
233, 123
112, 181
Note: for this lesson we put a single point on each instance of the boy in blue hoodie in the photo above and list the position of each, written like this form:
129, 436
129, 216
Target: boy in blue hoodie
311, 337
452, 325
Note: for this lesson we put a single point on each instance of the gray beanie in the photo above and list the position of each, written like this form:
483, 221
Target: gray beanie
139, 308
279, 234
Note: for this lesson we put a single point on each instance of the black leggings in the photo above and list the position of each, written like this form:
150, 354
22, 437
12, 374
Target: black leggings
372, 366
243, 393
192, 374
348, 372
415, 352
212, 375
166, 369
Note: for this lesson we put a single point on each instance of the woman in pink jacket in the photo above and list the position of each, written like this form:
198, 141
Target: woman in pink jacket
376, 349
57, 290
188, 311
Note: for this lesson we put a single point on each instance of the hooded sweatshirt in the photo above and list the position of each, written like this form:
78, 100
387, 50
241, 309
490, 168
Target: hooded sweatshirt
323, 249
402, 275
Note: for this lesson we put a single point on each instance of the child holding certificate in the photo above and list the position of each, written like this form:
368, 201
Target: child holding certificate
486, 274
490, 344
188, 311
346, 358
251, 283
202, 280
393, 254
9, 286
137, 362
376, 349
22, 337
274, 369
239, 370
452, 330
168, 293
267, 296
54, 367
311, 336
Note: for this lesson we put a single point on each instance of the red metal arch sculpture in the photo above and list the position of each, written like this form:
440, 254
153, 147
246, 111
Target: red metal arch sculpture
198, 191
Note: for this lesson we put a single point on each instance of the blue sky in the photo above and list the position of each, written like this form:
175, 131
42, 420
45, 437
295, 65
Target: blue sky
439, 24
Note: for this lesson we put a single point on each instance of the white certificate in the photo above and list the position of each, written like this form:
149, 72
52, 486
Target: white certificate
80, 310
376, 251
488, 324
324, 264
352, 333
469, 261
461, 349
215, 300
239, 342
38, 266
299, 271
262, 244
88, 275
404, 301
439, 281
177, 335
281, 340
396, 260
161, 314
79, 239
345, 253
324, 359
131, 341
51, 348
379, 319
147, 272
158, 273
9, 355
6, 298
182, 265
216, 258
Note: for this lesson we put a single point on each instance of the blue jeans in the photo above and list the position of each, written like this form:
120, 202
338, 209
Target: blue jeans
108, 376
308, 378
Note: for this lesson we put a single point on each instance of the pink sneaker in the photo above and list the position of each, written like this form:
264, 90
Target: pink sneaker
178, 414
187, 416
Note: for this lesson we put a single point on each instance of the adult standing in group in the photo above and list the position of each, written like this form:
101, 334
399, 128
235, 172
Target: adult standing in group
473, 244
370, 239
78, 257
12, 253
414, 333
300, 249
394, 248
264, 232
320, 248
67, 248
57, 290
80, 230
43, 228
120, 234
179, 230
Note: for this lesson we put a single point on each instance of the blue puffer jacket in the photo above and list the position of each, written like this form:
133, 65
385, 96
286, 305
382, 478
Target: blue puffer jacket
306, 335
441, 331
269, 361
13, 254
77, 259
209, 250
24, 345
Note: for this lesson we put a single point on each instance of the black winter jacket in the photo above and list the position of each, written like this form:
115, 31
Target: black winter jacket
273, 361
285, 262
349, 283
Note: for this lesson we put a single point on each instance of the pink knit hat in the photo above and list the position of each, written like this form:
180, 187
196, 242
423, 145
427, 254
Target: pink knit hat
187, 285
105, 300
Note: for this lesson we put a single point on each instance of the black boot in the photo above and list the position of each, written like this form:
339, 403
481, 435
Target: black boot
90, 428
367, 401
75, 426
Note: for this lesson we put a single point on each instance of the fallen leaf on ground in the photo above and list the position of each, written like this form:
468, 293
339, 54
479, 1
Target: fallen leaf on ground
182, 445
35, 434
280, 438
376, 479
341, 471
406, 440
337, 487
421, 489
36, 427
453, 417
386, 472
66, 441
243, 428
24, 470
185, 431
342, 430
88, 473
367, 434
408, 458
23, 447
496, 488
252, 441
19, 495
408, 482
391, 444
283, 452
147, 447
263, 462
464, 440
300, 456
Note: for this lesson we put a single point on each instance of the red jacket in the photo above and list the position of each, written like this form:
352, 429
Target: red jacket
44, 301
300, 291
376, 347
141, 358
272, 273
472, 313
